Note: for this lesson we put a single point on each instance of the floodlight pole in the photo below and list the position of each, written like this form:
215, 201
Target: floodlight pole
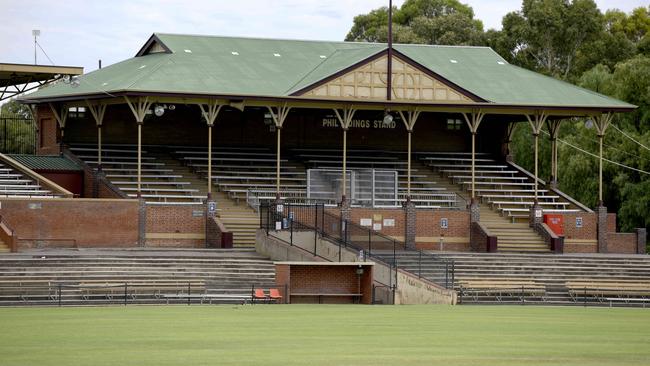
389, 63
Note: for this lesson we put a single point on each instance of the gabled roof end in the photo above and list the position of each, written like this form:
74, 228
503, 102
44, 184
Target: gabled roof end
153, 45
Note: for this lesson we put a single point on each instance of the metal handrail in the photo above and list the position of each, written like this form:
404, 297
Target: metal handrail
342, 237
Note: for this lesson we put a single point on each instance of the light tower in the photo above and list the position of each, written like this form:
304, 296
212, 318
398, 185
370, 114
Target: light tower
35, 33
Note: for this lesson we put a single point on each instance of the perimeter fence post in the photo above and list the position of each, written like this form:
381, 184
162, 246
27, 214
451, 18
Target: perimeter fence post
189, 291
126, 286
291, 231
59, 295
420, 264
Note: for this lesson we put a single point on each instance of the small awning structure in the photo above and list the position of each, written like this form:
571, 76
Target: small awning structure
19, 78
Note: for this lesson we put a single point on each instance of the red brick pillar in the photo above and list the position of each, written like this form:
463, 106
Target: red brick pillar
536, 216
641, 239
602, 229
142, 222
411, 224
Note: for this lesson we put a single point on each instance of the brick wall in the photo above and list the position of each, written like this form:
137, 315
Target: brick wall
72, 222
581, 239
332, 279
428, 230
624, 243
217, 234
611, 222
175, 225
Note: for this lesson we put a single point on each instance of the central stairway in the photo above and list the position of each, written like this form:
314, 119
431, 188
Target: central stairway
512, 237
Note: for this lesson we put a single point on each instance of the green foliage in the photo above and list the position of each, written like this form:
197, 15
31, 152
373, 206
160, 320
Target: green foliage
17, 129
571, 40
421, 21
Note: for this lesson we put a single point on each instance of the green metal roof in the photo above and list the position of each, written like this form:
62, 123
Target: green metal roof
214, 65
46, 162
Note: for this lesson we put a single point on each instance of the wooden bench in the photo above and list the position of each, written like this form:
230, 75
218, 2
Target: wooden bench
601, 290
502, 288
133, 289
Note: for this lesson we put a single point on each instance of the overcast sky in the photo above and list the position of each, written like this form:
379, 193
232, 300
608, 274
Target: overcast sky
79, 32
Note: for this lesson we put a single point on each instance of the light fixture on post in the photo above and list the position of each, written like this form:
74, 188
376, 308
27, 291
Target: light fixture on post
388, 118
159, 110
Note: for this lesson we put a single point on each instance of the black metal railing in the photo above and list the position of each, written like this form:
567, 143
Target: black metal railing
17, 134
370, 244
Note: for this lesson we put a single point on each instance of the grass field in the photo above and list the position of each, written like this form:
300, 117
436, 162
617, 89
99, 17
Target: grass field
324, 335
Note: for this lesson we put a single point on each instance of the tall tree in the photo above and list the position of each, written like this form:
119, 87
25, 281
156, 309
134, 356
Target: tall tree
421, 21
546, 35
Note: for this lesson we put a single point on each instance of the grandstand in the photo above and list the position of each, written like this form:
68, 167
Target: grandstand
317, 124
133, 276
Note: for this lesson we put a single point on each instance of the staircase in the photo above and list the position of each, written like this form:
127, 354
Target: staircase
512, 237
236, 216
3, 247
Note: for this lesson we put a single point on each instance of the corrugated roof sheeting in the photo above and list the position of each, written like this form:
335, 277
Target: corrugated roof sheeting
46, 162
277, 68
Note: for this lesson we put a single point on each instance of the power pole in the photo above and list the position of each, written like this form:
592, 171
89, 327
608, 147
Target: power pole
389, 75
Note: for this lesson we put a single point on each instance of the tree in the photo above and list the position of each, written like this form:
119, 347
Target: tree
421, 21
546, 35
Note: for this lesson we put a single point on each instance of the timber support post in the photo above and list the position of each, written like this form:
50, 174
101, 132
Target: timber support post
409, 119
345, 120
536, 122
553, 131
210, 111
98, 110
139, 107
61, 118
279, 117
473, 121
601, 122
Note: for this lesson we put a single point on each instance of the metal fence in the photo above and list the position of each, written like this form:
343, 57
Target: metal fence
365, 187
18, 134
345, 234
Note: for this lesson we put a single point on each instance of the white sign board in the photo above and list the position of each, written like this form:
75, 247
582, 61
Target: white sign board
444, 223
366, 222
279, 208
278, 225
578, 222
538, 213
389, 222
376, 227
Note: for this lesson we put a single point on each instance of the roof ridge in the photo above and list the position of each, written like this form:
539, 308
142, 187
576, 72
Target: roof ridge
317, 40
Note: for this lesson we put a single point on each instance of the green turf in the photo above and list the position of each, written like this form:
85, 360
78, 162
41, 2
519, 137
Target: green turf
324, 335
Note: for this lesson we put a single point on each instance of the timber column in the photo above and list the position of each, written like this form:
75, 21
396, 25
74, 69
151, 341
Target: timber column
536, 123
602, 121
410, 211
345, 119
473, 121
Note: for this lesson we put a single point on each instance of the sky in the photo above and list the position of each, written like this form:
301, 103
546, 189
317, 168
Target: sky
80, 32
